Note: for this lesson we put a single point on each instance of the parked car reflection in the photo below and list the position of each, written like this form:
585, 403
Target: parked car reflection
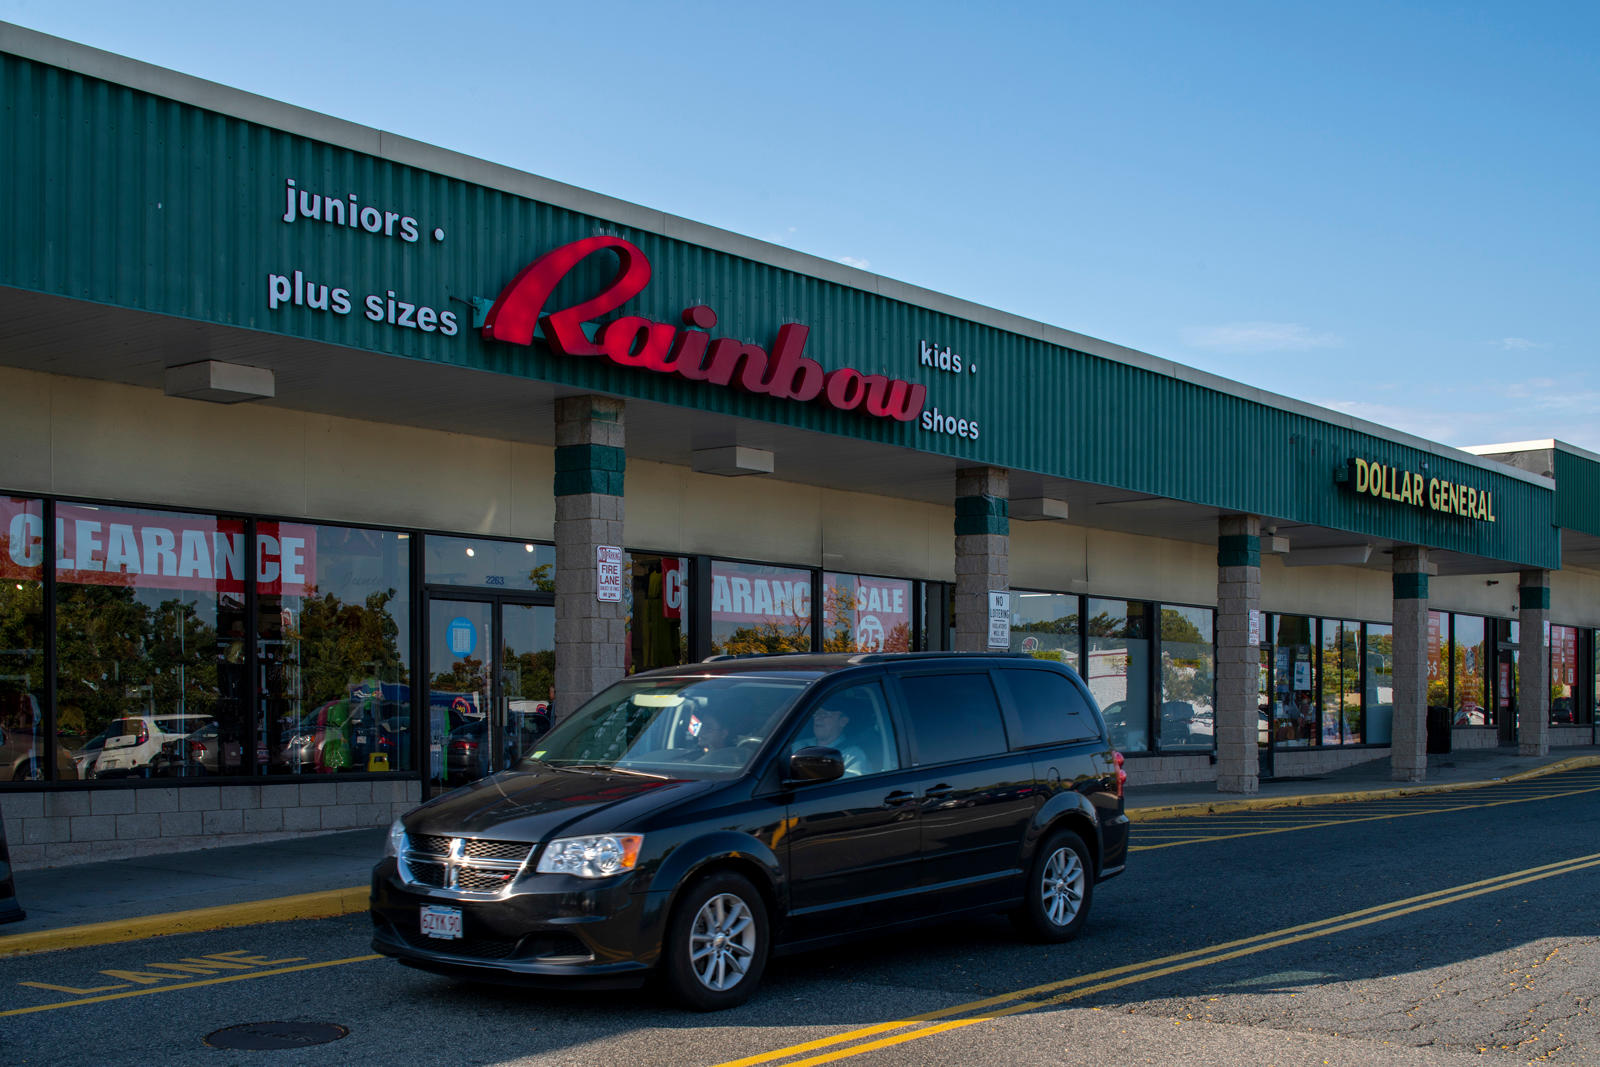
467, 757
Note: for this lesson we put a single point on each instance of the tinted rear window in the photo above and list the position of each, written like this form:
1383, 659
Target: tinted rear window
953, 716
1051, 708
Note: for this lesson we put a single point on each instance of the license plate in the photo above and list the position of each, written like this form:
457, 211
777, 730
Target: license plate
441, 922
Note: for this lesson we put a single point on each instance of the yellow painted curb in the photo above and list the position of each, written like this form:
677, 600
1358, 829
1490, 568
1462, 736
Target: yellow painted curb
1300, 800
324, 905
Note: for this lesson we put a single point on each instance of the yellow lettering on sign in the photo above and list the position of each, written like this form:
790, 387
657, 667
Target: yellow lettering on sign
1363, 476
1488, 505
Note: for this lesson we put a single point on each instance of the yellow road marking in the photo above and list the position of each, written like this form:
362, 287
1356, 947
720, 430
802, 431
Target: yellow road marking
1318, 821
1129, 974
186, 985
324, 905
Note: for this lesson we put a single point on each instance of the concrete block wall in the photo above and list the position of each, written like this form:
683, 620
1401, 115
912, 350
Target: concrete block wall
1469, 737
1168, 770
1295, 763
61, 828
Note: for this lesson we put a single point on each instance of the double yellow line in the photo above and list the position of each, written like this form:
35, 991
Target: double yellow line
866, 1039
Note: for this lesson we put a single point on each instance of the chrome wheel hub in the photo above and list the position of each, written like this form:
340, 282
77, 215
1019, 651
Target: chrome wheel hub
722, 942
1061, 889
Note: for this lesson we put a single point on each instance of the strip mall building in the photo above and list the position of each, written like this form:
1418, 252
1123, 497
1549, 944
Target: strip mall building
332, 459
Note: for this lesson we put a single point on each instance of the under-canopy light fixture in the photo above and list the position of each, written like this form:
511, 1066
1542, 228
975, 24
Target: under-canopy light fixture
220, 383
733, 460
1031, 508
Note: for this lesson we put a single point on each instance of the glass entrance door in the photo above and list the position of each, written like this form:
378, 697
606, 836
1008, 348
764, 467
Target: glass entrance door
491, 664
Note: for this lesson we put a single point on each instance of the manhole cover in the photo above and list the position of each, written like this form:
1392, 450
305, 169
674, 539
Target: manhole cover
265, 1036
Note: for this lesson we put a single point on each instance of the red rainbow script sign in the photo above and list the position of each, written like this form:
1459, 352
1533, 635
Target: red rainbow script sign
688, 351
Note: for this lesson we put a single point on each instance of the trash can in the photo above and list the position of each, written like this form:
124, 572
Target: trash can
1439, 722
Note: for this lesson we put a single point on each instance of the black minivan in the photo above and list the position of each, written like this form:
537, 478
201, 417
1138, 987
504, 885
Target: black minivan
693, 820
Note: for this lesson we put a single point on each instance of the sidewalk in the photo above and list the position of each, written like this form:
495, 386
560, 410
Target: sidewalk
328, 874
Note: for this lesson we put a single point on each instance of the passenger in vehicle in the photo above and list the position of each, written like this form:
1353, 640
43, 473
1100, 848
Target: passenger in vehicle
826, 730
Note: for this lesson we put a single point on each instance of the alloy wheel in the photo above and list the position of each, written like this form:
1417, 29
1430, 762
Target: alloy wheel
722, 942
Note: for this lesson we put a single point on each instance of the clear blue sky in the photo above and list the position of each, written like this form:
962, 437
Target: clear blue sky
1385, 208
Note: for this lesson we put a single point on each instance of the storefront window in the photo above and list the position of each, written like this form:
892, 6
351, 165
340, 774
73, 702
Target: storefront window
1119, 669
1438, 660
503, 566
1294, 709
150, 666
1470, 655
1380, 677
1341, 682
1188, 678
863, 614
1045, 625
25, 751
1563, 675
656, 599
333, 643
756, 608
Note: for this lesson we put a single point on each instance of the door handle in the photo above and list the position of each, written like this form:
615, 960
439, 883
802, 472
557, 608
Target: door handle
939, 791
898, 797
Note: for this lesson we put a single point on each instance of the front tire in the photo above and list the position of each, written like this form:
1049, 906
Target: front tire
1060, 889
717, 943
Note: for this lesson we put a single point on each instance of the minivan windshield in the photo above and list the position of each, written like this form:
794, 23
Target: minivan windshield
676, 727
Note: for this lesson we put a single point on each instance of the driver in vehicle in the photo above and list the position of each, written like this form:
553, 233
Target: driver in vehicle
826, 730
712, 738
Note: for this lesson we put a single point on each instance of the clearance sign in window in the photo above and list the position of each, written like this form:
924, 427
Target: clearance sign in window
130, 548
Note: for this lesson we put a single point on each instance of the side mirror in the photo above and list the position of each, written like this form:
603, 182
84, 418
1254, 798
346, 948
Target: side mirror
816, 764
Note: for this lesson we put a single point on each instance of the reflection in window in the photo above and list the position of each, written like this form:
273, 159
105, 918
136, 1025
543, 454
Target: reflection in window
25, 753
759, 609
656, 600
150, 636
1469, 652
1118, 674
1045, 625
1341, 674
483, 562
1380, 680
333, 641
1188, 678
862, 614
1294, 709
1563, 674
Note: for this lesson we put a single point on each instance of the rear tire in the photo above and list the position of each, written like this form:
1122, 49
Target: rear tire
1059, 891
716, 944
28, 771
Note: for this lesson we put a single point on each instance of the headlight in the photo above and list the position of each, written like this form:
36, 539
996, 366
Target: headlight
396, 840
591, 857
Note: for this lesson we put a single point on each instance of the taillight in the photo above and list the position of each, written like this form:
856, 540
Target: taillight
144, 734
1122, 775
197, 749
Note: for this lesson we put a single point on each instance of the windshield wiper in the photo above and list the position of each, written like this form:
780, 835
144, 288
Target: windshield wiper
607, 768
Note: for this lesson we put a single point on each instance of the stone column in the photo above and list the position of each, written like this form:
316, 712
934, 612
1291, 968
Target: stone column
1408, 753
1236, 719
1533, 665
590, 633
983, 538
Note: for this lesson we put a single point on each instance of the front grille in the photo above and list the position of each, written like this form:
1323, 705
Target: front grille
466, 866
431, 874
429, 843
473, 880
496, 850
